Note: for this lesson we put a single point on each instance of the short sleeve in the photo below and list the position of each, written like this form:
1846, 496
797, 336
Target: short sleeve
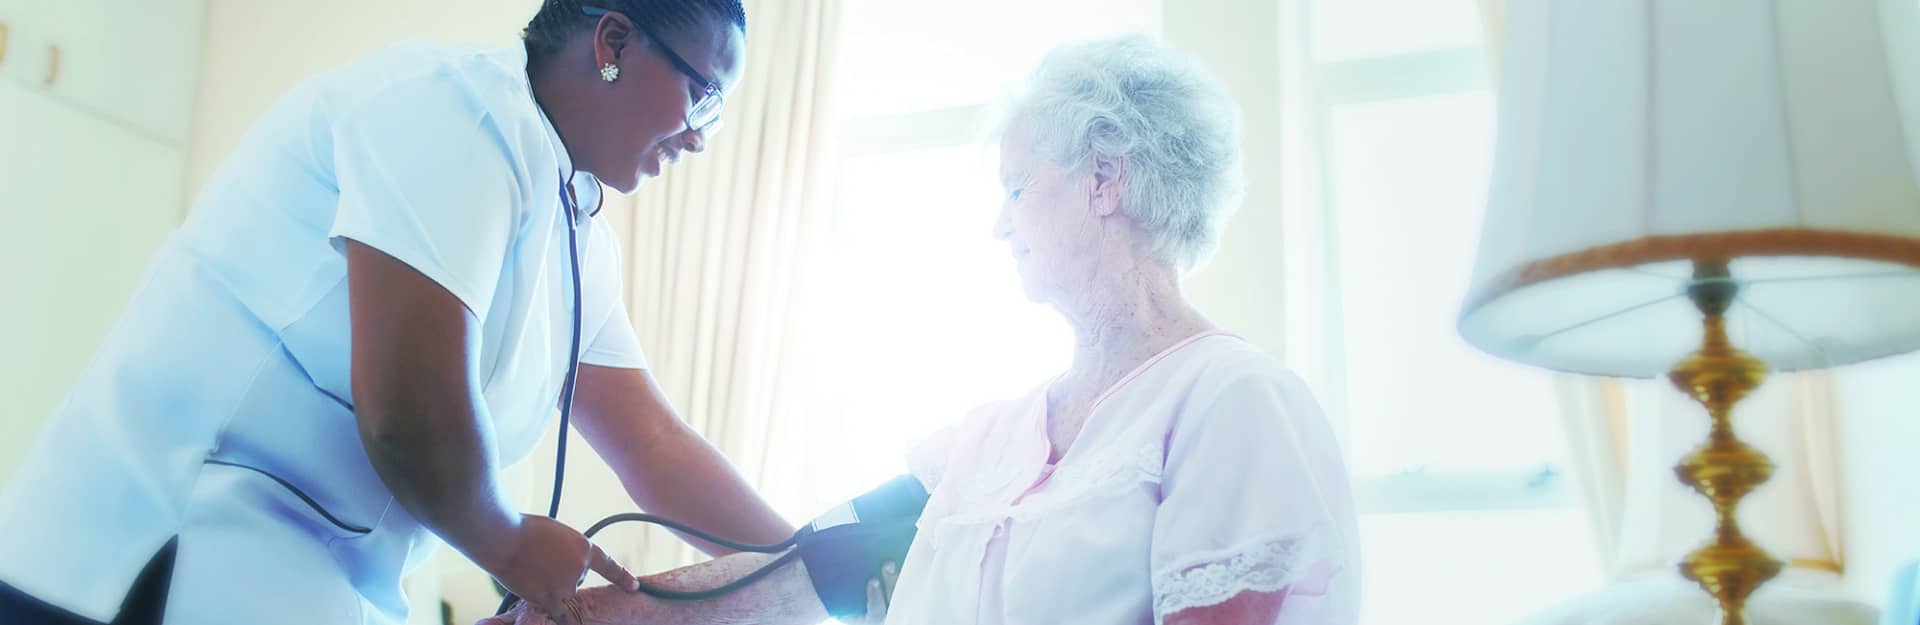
426, 177
928, 459
1246, 496
960, 447
613, 343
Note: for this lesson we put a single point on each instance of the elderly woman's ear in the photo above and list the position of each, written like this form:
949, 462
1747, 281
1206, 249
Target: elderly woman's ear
1109, 181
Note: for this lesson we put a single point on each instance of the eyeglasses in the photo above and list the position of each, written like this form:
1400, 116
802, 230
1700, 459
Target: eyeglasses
705, 111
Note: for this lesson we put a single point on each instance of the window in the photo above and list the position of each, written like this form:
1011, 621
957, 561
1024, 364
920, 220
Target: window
1458, 457
1344, 30
921, 317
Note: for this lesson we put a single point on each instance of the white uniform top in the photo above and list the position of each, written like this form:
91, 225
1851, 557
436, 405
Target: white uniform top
236, 347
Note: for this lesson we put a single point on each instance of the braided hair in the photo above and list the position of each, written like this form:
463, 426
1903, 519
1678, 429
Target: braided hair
559, 20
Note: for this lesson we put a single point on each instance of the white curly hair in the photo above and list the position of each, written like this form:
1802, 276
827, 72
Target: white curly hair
1173, 123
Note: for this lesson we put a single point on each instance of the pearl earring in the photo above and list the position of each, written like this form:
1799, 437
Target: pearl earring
609, 72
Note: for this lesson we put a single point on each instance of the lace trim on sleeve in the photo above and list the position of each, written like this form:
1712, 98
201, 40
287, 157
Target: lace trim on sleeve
1263, 566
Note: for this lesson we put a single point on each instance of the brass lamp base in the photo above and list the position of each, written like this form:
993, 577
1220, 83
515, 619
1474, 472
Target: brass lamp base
1730, 567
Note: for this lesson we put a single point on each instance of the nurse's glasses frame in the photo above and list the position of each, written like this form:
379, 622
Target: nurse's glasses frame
706, 109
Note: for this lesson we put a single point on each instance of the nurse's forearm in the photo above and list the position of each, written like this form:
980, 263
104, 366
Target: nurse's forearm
442, 472
685, 478
666, 467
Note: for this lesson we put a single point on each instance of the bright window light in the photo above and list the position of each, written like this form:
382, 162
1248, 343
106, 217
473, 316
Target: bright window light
1459, 458
908, 56
1344, 30
1409, 180
916, 315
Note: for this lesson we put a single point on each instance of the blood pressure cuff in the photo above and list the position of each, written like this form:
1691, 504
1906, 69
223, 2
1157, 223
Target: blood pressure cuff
846, 547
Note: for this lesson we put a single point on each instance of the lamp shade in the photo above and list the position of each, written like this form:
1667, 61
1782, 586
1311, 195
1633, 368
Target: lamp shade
1637, 136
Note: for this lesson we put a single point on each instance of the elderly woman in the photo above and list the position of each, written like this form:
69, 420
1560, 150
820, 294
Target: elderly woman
1174, 474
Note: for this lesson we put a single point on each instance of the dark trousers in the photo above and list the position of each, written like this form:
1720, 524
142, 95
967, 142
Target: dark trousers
146, 603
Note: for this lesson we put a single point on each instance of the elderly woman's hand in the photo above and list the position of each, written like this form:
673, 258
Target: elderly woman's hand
604, 605
879, 595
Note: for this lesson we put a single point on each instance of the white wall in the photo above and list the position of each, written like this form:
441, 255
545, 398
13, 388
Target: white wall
93, 114
256, 49
1880, 444
1241, 41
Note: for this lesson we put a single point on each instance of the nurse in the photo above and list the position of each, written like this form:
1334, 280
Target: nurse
375, 305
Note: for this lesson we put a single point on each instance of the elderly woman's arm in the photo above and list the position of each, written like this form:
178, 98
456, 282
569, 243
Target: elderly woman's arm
784, 597
1255, 514
1247, 608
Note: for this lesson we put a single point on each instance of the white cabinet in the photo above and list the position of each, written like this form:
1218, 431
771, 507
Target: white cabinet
92, 175
129, 62
83, 205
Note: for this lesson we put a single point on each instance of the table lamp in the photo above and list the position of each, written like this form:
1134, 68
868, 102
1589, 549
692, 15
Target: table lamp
1705, 189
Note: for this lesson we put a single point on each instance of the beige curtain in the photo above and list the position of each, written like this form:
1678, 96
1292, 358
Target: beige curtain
1594, 412
717, 250
1818, 449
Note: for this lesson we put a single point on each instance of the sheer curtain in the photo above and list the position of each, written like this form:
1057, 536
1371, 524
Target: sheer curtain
1595, 413
718, 249
1455, 455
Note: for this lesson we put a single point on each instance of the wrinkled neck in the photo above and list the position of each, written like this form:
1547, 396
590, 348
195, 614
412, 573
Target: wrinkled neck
1125, 317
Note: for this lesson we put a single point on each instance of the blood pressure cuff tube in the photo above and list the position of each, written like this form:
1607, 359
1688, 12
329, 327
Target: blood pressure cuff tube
846, 547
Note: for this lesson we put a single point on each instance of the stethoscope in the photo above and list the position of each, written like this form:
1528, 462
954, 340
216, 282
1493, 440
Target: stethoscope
569, 206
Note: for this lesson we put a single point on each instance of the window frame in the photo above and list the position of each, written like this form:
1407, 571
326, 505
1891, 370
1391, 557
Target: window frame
1335, 85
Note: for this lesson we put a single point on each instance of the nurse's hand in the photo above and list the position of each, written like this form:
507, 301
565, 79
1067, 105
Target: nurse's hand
546, 561
606, 605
